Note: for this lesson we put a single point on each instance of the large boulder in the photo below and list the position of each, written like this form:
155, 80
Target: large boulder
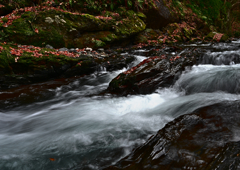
205, 139
150, 74
158, 16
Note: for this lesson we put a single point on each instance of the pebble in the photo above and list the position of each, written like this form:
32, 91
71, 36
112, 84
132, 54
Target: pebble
72, 50
63, 49
49, 46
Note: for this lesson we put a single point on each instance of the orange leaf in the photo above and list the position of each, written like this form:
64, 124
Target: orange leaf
36, 30
52, 159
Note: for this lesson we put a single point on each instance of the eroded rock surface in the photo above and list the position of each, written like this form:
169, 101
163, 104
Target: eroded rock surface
204, 139
150, 74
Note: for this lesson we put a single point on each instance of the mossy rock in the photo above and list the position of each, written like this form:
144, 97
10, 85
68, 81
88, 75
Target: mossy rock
188, 32
224, 38
142, 16
148, 34
130, 25
63, 29
171, 27
211, 35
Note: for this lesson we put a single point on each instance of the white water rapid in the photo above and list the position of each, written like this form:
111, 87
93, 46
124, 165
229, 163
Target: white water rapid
75, 128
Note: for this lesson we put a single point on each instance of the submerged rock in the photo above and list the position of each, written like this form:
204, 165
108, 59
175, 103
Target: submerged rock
204, 139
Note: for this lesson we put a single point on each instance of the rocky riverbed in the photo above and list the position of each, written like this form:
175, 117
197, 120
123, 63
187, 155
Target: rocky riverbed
189, 122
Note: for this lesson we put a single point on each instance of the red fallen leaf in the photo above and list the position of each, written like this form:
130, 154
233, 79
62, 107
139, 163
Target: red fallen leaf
52, 159
16, 52
36, 30
217, 37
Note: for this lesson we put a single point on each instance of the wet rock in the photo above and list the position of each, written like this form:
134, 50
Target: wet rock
72, 50
204, 139
150, 74
36, 70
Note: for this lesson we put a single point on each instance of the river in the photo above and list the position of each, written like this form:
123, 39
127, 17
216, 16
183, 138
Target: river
66, 124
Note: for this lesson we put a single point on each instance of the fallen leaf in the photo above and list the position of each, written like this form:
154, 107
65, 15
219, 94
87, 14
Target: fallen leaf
52, 159
36, 30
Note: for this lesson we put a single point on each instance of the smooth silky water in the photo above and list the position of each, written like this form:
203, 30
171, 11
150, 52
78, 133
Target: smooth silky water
75, 128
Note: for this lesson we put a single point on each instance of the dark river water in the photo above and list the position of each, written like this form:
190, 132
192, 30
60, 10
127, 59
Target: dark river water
66, 124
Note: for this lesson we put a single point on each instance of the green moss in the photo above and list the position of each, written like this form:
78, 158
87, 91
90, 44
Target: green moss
5, 19
224, 38
188, 33
122, 11
5, 59
131, 25
28, 15
28, 64
210, 36
99, 43
178, 38
61, 29
237, 34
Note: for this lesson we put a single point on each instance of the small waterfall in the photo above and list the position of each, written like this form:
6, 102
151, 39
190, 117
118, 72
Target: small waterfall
209, 78
220, 58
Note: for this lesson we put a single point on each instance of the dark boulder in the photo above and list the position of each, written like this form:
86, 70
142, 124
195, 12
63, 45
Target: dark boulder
43, 69
204, 139
158, 17
150, 74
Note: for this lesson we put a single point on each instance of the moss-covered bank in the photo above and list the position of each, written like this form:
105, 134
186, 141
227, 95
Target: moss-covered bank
21, 64
65, 29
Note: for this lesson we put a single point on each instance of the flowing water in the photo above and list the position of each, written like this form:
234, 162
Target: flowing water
66, 124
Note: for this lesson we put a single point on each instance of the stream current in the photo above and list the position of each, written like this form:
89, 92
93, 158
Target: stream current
66, 124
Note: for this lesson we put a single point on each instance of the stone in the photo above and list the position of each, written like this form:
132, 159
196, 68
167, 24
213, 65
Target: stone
49, 20
206, 138
49, 46
101, 49
63, 49
149, 75
72, 50
88, 49
158, 17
